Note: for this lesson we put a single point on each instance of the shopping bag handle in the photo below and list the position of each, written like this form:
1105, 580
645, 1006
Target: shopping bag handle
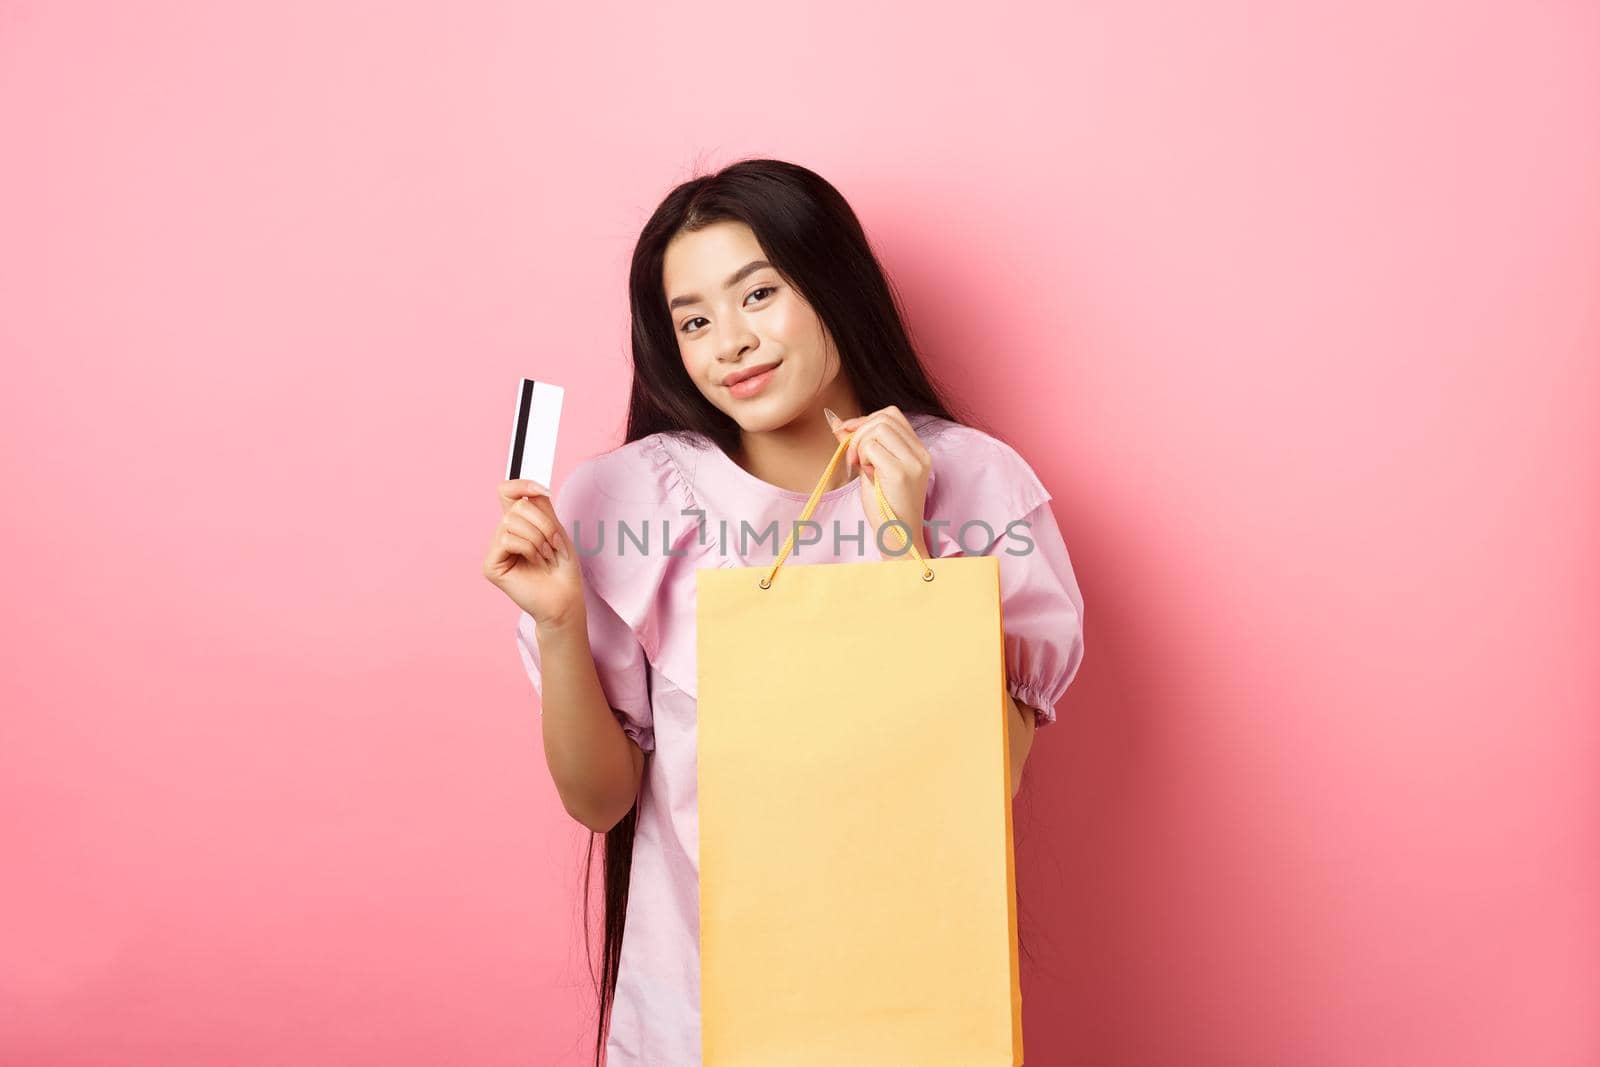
811, 505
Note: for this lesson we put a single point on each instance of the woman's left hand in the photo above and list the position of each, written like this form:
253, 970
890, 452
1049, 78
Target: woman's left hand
886, 446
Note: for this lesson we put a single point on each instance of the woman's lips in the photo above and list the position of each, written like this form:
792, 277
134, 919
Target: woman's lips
752, 386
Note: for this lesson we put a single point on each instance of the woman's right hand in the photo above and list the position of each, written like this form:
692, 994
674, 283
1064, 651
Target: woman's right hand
531, 559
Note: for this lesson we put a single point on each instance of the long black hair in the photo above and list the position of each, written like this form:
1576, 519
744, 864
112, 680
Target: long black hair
809, 234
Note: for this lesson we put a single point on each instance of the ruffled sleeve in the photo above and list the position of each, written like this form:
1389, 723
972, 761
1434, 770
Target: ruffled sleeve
1042, 609
994, 504
610, 505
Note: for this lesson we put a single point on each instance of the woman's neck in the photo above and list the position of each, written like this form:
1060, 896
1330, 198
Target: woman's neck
794, 456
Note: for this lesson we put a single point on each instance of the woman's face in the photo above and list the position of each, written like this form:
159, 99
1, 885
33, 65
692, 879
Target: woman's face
734, 314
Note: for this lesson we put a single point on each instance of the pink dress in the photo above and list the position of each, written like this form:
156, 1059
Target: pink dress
685, 505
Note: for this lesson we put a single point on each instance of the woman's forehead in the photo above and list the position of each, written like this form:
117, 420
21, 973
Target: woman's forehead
699, 263
712, 246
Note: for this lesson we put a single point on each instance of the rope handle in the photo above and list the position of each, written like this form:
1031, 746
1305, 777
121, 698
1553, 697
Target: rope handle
811, 505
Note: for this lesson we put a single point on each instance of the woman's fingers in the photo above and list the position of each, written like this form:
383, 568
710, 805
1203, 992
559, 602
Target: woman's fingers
860, 434
541, 517
529, 516
515, 544
883, 448
890, 411
542, 543
889, 420
514, 489
906, 435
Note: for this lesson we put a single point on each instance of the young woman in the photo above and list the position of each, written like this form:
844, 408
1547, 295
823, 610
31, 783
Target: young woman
764, 333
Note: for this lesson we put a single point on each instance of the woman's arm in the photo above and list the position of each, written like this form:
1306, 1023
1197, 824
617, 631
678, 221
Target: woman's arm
1021, 728
595, 765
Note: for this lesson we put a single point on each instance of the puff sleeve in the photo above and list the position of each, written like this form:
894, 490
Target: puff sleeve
1042, 610
994, 504
619, 655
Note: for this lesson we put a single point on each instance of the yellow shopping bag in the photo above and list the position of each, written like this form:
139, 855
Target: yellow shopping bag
857, 887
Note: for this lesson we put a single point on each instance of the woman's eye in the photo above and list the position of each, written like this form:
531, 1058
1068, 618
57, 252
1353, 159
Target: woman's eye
762, 289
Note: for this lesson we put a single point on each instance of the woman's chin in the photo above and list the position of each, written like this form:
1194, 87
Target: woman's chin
764, 414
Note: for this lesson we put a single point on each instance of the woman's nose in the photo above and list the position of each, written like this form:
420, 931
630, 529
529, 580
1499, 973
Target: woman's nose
738, 342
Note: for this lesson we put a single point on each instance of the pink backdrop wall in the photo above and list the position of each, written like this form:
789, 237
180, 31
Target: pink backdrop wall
1293, 307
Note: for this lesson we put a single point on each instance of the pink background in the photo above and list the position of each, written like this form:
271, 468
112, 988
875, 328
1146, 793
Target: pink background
1294, 308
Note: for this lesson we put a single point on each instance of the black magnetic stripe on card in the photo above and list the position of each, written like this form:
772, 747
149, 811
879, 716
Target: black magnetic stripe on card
524, 413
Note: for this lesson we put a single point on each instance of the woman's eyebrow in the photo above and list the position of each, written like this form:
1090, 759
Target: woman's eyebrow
734, 279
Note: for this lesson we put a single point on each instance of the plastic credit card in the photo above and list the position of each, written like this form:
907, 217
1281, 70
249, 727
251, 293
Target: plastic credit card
533, 433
